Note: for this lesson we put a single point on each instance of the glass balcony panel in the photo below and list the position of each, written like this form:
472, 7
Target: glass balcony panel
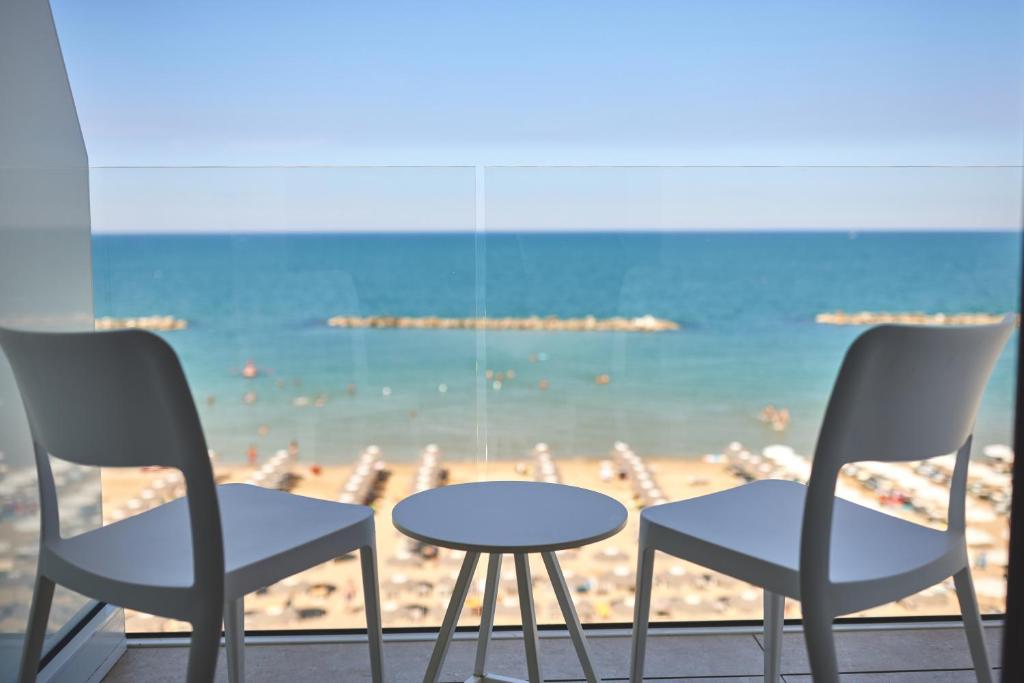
284, 292
652, 333
691, 324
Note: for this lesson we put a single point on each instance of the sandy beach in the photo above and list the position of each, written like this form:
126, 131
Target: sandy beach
415, 589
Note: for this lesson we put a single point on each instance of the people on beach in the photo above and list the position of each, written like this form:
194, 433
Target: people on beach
776, 418
602, 578
249, 370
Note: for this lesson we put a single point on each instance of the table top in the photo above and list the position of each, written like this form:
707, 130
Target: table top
509, 516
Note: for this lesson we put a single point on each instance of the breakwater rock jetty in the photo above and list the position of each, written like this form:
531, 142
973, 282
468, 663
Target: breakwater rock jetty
869, 318
157, 323
646, 323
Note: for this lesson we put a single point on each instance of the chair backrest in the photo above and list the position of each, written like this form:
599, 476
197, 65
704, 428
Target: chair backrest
909, 392
903, 393
115, 399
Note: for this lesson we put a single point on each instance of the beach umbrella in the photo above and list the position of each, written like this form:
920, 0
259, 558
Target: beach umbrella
415, 611
991, 588
398, 581
610, 553
979, 538
995, 558
620, 577
404, 558
321, 590
979, 515
998, 451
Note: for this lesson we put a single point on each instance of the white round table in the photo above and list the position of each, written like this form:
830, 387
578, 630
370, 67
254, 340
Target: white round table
517, 518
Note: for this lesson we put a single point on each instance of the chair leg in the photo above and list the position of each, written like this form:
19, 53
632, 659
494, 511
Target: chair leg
35, 634
371, 598
821, 646
774, 613
972, 624
204, 648
641, 612
234, 639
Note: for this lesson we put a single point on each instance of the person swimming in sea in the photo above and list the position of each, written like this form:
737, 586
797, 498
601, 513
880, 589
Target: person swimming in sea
776, 418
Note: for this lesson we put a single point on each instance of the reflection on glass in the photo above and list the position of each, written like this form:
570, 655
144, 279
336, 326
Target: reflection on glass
31, 297
293, 392
362, 356
750, 263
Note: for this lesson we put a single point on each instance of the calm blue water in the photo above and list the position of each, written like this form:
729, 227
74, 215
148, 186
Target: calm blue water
746, 302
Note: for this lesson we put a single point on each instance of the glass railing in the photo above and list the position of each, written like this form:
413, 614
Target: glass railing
654, 333
44, 284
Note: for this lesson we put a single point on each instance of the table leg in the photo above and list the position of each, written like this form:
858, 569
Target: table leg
572, 621
487, 615
529, 616
451, 617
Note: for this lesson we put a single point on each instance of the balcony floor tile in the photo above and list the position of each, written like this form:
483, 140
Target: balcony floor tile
883, 656
893, 650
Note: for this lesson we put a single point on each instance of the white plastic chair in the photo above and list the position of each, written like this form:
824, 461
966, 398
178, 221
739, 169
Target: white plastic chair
120, 399
903, 393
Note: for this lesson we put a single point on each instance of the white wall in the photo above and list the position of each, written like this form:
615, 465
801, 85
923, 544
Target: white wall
45, 281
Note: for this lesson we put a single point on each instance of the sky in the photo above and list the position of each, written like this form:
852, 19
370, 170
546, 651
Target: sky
731, 83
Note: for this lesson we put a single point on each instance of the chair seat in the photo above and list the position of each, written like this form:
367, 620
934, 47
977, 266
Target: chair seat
752, 532
268, 535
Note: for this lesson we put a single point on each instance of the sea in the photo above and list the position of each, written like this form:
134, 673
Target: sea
745, 302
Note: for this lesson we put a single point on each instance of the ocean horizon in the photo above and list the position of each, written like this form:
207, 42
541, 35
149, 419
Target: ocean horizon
746, 302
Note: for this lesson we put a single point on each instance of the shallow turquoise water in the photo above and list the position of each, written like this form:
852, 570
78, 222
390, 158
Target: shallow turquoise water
746, 302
